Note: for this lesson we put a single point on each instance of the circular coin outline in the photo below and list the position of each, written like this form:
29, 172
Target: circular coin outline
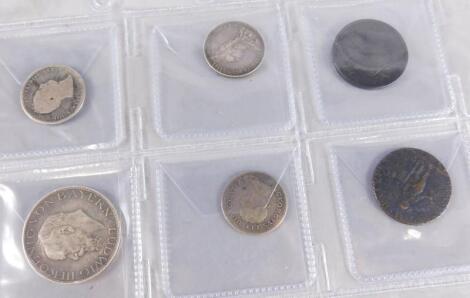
111, 258
220, 72
252, 232
77, 77
359, 83
426, 155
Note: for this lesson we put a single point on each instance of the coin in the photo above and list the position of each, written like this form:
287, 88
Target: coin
53, 94
254, 203
412, 186
369, 54
234, 49
71, 235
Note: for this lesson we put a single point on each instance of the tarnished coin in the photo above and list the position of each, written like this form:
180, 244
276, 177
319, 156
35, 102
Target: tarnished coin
234, 49
71, 235
412, 186
53, 94
254, 203
369, 54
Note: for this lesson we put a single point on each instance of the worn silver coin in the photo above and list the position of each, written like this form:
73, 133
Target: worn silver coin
71, 235
234, 49
254, 203
53, 94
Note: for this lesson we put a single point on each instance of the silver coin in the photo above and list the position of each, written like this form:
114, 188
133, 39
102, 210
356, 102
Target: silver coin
53, 94
254, 203
71, 235
234, 49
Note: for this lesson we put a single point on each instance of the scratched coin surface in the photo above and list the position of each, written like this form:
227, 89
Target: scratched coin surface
254, 203
53, 94
369, 54
412, 186
71, 235
234, 49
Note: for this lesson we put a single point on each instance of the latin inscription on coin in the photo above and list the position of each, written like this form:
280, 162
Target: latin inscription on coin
412, 186
234, 49
71, 235
53, 94
254, 202
369, 54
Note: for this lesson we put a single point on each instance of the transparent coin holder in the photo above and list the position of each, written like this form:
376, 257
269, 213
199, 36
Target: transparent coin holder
191, 100
94, 50
162, 134
222, 260
21, 190
422, 91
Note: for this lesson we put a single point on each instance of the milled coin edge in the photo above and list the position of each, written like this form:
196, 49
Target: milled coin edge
102, 269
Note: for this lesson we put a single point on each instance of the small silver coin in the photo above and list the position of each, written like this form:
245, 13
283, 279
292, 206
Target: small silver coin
234, 49
412, 186
53, 94
71, 235
254, 203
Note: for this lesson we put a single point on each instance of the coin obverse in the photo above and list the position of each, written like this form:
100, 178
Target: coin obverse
53, 94
254, 203
412, 186
71, 235
369, 54
234, 49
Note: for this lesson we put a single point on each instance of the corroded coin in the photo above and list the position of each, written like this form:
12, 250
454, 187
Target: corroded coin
369, 54
412, 186
234, 49
53, 94
71, 235
254, 202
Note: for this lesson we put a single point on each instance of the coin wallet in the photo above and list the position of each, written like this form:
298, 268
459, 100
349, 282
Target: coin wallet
164, 133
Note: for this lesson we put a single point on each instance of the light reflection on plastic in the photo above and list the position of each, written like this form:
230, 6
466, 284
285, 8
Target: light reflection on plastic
11, 253
412, 234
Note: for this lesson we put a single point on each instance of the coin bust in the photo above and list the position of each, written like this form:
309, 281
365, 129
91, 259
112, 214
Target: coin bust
234, 49
254, 203
53, 94
369, 54
412, 186
71, 235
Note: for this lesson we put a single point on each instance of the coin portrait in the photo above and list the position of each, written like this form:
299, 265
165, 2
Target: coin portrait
234, 49
369, 54
412, 186
254, 203
53, 94
71, 235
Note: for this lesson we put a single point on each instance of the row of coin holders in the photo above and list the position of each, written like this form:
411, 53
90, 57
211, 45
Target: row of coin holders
182, 98
176, 242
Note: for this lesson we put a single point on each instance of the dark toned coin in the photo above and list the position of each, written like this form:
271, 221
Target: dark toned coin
412, 186
369, 54
254, 203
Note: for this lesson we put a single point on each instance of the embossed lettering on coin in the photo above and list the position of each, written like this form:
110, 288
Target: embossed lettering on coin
53, 94
234, 49
412, 186
71, 235
254, 202
369, 54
